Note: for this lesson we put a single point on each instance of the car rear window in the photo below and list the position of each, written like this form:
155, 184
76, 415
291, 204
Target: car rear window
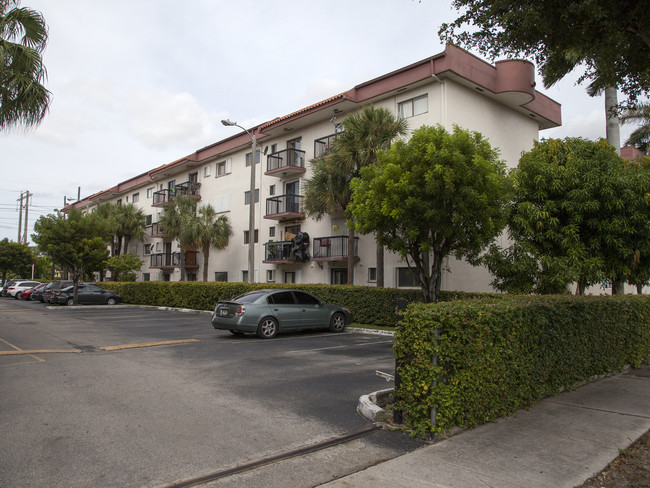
248, 298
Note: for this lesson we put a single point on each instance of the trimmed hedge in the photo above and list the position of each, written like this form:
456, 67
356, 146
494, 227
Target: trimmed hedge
498, 356
369, 305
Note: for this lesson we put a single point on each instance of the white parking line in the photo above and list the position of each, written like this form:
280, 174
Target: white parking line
298, 351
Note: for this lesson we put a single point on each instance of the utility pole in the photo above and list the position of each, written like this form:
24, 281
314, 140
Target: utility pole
26, 215
20, 217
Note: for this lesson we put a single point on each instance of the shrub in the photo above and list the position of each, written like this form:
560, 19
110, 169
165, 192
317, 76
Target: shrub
497, 356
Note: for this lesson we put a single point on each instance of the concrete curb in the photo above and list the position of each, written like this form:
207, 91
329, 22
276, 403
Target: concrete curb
368, 405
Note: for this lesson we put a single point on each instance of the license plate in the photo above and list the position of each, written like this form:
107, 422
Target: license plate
223, 312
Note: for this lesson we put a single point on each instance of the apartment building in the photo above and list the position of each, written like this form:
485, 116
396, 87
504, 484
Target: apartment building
452, 87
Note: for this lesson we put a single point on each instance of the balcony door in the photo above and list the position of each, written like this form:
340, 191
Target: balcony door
292, 190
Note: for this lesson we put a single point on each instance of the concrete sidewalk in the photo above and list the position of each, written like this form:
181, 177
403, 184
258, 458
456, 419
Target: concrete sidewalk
558, 443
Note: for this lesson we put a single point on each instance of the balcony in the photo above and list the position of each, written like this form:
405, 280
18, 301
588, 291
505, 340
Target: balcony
323, 144
333, 248
284, 207
156, 230
190, 189
278, 252
173, 260
287, 162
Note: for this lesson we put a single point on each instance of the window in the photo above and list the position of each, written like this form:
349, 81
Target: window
292, 229
119, 202
171, 185
247, 234
274, 148
224, 167
221, 276
191, 276
414, 106
147, 249
406, 277
167, 277
271, 231
270, 275
244, 276
372, 275
222, 203
281, 298
339, 276
150, 192
272, 190
257, 158
148, 220
146, 277
306, 299
206, 171
289, 276
247, 197
135, 198
294, 143
193, 177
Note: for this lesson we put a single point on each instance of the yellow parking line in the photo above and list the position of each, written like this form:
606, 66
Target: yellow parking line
18, 350
36, 351
147, 344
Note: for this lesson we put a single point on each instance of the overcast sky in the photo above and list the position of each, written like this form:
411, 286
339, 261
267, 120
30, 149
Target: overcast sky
140, 83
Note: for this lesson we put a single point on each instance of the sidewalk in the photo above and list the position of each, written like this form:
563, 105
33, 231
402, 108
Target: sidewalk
558, 443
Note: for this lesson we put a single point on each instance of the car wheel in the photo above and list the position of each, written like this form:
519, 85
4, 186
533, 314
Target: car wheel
268, 328
16, 296
70, 301
111, 301
337, 323
236, 332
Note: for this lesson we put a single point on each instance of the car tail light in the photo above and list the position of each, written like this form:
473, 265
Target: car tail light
240, 311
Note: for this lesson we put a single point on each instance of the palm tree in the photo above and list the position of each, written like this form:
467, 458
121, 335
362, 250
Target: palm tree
364, 134
640, 138
195, 227
207, 230
24, 101
130, 224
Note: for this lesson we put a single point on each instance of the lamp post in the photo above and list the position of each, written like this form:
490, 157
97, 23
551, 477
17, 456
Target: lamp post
251, 214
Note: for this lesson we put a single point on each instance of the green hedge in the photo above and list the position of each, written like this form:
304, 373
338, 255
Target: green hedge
369, 305
497, 356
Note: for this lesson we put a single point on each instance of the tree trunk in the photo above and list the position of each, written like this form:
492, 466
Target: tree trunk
380, 265
350, 255
126, 244
639, 289
618, 287
206, 258
580, 288
613, 128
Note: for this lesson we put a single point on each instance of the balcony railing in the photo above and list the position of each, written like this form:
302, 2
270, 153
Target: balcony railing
286, 162
278, 252
162, 197
173, 260
323, 144
333, 248
284, 207
156, 230
188, 189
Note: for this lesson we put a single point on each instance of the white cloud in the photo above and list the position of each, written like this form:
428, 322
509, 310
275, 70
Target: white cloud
160, 119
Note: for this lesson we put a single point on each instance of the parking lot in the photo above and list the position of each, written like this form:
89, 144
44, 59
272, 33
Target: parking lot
128, 396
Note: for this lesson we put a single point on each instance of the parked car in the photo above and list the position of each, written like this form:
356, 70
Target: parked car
47, 297
7, 284
27, 294
87, 294
19, 286
267, 312
36, 292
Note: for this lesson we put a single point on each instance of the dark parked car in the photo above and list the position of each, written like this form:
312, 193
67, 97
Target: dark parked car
37, 292
47, 296
27, 294
267, 312
87, 294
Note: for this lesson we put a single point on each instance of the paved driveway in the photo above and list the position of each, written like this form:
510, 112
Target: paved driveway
126, 396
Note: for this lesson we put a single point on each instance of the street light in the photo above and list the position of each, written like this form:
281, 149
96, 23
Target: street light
251, 215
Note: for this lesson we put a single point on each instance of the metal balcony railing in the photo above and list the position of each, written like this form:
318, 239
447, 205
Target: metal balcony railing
173, 260
279, 251
287, 159
333, 248
284, 205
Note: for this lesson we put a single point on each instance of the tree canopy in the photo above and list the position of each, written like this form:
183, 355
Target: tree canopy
77, 241
610, 39
15, 257
439, 194
580, 213
24, 100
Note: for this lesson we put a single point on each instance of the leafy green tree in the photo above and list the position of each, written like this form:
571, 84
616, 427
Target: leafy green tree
123, 267
24, 100
640, 137
610, 39
579, 209
130, 224
364, 134
76, 241
439, 194
15, 258
195, 227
